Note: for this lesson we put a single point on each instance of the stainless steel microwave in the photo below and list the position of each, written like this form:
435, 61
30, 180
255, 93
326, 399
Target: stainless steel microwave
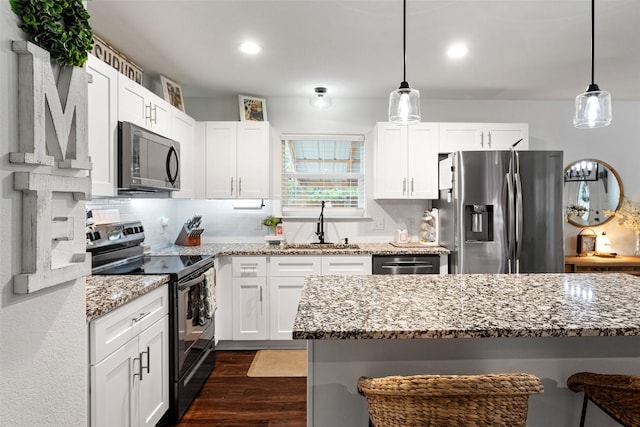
146, 161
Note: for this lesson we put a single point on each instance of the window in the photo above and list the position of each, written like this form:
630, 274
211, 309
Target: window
323, 167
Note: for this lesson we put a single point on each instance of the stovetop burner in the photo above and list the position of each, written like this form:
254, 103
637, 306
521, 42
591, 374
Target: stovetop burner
155, 264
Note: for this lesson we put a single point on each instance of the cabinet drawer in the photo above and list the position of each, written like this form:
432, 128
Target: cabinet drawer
285, 266
346, 265
111, 331
249, 266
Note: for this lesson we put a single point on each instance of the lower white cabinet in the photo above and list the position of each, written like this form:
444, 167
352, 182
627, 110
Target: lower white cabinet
266, 290
249, 297
129, 366
286, 279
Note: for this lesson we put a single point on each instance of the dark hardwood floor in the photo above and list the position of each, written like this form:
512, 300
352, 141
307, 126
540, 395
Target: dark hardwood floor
231, 399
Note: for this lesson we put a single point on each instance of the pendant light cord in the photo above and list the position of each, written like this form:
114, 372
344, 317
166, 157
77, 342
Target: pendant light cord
404, 39
593, 20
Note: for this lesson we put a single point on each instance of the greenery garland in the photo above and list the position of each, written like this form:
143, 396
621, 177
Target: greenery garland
59, 26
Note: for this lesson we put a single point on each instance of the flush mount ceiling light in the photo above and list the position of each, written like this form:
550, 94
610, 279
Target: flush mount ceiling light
593, 107
320, 99
250, 48
404, 103
457, 50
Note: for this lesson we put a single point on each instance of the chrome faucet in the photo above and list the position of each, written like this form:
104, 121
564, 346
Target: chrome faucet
320, 225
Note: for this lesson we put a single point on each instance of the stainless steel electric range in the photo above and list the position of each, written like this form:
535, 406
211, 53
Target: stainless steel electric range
116, 249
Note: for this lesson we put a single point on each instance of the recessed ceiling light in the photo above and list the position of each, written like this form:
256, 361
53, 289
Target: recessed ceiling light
250, 48
457, 50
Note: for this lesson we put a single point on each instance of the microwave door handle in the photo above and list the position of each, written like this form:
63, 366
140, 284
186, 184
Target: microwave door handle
172, 152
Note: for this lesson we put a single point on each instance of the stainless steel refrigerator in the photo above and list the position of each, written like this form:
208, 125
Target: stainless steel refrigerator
501, 211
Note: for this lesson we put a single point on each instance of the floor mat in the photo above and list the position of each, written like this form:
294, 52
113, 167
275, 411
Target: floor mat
279, 363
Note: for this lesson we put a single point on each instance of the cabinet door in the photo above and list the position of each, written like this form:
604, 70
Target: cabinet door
191, 161
459, 136
501, 136
102, 127
220, 156
422, 161
159, 119
249, 308
153, 348
132, 106
390, 161
114, 391
342, 265
284, 296
253, 160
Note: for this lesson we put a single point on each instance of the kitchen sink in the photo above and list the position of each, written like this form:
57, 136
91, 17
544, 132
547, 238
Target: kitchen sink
321, 246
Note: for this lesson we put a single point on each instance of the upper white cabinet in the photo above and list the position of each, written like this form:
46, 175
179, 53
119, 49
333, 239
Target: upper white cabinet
137, 104
237, 159
482, 136
102, 127
183, 130
406, 161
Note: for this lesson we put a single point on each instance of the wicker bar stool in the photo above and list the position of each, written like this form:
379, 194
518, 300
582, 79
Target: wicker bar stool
449, 400
617, 395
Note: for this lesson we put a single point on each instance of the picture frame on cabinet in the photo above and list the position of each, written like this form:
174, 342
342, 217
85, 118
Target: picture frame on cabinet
172, 93
252, 108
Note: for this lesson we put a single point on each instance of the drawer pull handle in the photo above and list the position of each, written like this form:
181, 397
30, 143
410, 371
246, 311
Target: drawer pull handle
139, 318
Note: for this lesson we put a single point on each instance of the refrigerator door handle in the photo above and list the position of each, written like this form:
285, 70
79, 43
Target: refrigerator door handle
519, 220
510, 221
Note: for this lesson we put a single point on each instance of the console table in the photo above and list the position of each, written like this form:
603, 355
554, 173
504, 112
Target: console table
596, 264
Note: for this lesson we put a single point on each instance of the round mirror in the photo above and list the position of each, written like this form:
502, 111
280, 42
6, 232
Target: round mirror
591, 187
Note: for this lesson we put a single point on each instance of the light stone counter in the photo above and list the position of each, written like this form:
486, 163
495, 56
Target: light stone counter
106, 293
549, 325
222, 249
468, 306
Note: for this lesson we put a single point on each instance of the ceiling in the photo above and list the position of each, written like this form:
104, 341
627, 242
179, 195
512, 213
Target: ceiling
518, 49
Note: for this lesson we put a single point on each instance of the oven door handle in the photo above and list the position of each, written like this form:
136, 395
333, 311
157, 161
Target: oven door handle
189, 283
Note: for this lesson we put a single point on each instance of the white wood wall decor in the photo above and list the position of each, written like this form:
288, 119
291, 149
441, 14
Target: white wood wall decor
52, 118
53, 224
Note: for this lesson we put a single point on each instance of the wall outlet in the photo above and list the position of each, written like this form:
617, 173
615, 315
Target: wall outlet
411, 224
259, 225
378, 224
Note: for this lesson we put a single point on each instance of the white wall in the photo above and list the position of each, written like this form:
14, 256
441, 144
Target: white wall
550, 127
43, 342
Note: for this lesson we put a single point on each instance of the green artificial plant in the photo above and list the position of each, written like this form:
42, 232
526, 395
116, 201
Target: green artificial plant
58, 26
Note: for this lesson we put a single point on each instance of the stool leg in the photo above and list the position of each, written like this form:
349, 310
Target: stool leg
371, 423
584, 410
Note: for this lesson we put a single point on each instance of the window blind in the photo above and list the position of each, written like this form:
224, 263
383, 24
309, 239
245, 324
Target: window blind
318, 168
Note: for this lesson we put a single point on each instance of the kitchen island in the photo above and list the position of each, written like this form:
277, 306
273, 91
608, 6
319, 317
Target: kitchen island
549, 325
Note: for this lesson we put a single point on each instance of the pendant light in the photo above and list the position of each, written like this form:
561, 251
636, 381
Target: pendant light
404, 103
593, 107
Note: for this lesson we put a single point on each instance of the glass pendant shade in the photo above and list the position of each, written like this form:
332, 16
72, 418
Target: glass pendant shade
593, 108
404, 105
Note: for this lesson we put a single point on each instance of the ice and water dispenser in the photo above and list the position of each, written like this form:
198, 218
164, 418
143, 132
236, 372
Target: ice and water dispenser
478, 223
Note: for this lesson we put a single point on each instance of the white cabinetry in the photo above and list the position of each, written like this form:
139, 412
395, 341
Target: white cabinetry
406, 161
286, 278
482, 136
265, 304
237, 158
137, 104
342, 265
249, 298
129, 363
183, 130
102, 127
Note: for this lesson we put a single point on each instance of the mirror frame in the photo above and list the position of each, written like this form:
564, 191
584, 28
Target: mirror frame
619, 181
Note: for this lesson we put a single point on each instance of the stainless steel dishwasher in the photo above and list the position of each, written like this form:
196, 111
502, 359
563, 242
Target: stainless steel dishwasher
406, 264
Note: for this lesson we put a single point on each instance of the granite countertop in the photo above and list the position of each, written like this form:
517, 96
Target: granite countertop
222, 249
106, 293
468, 306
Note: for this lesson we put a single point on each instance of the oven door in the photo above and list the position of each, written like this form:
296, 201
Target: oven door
194, 322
